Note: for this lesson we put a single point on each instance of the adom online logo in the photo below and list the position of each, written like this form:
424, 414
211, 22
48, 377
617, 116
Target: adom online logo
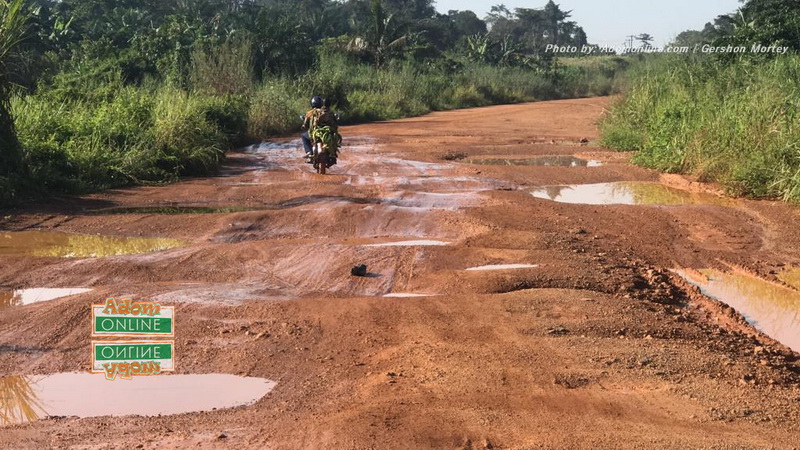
151, 354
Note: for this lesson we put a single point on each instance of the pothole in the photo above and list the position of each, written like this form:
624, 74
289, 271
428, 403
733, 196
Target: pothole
167, 210
67, 245
627, 193
228, 294
21, 297
415, 243
771, 308
406, 295
264, 147
504, 267
28, 398
542, 161
451, 201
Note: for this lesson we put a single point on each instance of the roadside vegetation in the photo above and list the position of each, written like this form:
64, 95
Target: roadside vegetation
728, 118
106, 94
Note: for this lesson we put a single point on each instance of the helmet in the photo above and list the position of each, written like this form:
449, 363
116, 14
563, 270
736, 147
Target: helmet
327, 103
316, 102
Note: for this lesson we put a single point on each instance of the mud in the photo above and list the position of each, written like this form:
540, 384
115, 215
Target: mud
600, 346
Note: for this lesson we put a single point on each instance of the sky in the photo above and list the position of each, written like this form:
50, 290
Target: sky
609, 22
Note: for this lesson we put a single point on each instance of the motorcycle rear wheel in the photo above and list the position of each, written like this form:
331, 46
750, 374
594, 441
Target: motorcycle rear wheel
321, 160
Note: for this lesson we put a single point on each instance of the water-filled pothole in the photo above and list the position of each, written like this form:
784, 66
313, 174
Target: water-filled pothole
27, 398
21, 297
67, 245
417, 243
167, 210
627, 193
771, 308
406, 295
542, 161
263, 147
504, 267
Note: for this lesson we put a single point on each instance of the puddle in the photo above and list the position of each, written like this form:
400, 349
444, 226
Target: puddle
263, 147
791, 276
173, 210
27, 398
451, 201
22, 297
504, 267
406, 295
627, 193
67, 245
228, 294
772, 309
420, 243
544, 161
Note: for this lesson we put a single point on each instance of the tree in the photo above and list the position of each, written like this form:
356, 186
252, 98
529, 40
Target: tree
467, 23
690, 38
13, 27
383, 39
645, 39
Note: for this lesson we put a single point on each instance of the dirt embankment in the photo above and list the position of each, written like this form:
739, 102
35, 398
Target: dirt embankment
597, 346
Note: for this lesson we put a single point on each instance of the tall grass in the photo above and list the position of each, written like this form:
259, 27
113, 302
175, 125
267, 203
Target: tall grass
362, 93
738, 124
137, 135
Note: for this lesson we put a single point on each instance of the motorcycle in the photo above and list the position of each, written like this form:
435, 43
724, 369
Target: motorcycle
320, 156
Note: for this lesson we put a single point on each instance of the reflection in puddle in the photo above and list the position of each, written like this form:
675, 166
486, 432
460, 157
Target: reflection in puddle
18, 401
773, 309
26, 398
407, 295
504, 267
627, 193
791, 276
66, 245
420, 243
545, 161
27, 296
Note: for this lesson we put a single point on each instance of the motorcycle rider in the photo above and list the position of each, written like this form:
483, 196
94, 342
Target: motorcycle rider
322, 125
309, 121
330, 119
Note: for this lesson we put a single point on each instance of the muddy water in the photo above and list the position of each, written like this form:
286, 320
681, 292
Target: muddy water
416, 243
627, 193
771, 308
503, 267
791, 276
22, 297
66, 245
27, 398
406, 295
543, 161
167, 210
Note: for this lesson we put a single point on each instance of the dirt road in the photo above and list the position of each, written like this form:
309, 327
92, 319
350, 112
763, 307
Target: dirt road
591, 343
